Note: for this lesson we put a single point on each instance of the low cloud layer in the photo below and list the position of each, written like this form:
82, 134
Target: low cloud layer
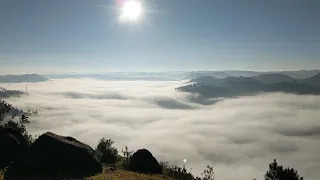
238, 136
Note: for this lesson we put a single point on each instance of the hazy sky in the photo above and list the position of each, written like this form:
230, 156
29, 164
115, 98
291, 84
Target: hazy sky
86, 35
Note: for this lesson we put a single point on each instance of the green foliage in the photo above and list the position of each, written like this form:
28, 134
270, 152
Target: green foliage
181, 173
277, 172
5, 93
2, 173
4, 110
105, 152
7, 121
124, 161
176, 172
208, 173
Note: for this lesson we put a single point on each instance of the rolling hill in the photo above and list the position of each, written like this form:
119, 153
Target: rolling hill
211, 87
22, 78
314, 80
299, 75
273, 78
217, 74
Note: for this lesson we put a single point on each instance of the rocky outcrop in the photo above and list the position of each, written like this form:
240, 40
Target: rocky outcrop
53, 156
143, 161
12, 144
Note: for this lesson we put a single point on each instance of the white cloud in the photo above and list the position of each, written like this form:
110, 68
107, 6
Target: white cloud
238, 136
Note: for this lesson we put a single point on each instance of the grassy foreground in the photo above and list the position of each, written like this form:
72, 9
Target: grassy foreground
118, 174
2, 171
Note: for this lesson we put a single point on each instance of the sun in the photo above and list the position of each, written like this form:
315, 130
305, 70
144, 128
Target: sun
131, 10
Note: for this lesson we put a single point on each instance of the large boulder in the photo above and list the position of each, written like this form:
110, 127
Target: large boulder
143, 161
55, 157
12, 144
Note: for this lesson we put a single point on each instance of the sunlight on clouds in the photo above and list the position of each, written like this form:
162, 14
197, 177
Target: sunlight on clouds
243, 134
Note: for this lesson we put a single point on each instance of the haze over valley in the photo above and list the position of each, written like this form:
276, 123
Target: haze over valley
238, 132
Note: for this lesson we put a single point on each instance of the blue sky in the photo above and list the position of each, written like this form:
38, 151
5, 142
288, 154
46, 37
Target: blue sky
86, 36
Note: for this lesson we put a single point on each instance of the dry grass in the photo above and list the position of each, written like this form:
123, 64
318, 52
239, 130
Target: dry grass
2, 171
120, 174
117, 175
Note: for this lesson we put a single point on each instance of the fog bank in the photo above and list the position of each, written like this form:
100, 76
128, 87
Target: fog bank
238, 136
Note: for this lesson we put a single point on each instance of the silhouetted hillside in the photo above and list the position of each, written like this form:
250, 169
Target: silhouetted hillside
22, 78
274, 78
5, 93
292, 87
303, 74
314, 80
217, 74
206, 80
209, 87
242, 73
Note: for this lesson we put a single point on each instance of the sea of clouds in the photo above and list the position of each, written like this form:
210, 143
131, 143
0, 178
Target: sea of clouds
239, 137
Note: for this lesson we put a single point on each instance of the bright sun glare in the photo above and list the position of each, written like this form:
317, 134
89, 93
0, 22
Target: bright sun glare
131, 10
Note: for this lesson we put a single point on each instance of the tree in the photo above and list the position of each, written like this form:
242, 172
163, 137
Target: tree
7, 117
127, 156
105, 152
277, 172
4, 110
208, 173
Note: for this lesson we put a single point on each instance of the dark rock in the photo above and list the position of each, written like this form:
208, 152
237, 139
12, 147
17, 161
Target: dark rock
12, 144
23, 141
55, 157
142, 161
111, 169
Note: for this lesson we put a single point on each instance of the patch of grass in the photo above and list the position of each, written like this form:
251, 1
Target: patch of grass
2, 172
120, 174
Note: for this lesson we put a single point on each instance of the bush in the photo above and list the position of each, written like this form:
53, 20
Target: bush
208, 173
176, 172
7, 120
181, 173
124, 161
4, 110
105, 152
277, 172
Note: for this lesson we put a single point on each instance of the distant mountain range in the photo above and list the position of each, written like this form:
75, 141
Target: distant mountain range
179, 75
272, 77
125, 76
303, 74
209, 86
22, 78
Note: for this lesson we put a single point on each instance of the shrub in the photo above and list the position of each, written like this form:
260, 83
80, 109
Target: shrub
277, 172
124, 161
7, 120
105, 152
4, 110
176, 172
208, 173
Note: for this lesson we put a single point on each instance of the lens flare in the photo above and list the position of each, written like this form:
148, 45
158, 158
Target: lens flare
131, 10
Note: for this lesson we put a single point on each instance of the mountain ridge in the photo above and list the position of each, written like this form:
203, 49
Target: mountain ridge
211, 87
22, 78
300, 74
